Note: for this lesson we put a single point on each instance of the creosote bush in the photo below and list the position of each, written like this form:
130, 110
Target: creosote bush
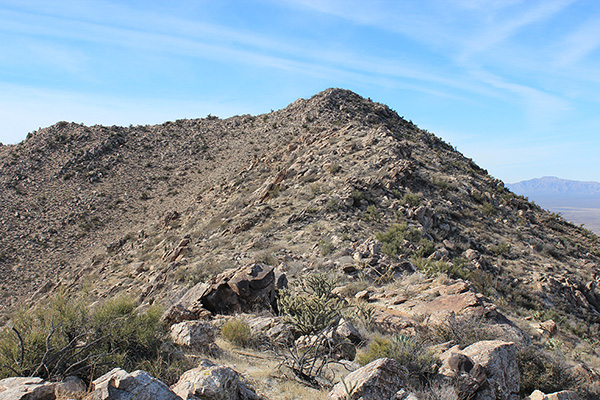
65, 337
414, 356
237, 332
541, 370
393, 239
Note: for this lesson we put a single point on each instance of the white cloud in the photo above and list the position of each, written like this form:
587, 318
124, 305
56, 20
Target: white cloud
578, 44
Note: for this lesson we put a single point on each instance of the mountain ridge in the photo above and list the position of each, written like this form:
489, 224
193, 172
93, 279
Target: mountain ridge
553, 185
148, 211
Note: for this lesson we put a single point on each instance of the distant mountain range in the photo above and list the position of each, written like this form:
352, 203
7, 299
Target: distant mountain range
553, 186
577, 201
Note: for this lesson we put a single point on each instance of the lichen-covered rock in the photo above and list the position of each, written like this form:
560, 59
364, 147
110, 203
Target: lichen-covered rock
215, 382
139, 385
196, 334
71, 386
378, 380
563, 395
21, 388
499, 361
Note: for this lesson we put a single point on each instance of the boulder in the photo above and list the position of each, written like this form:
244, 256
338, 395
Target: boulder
499, 361
270, 331
586, 377
21, 388
486, 370
562, 395
244, 289
197, 334
465, 306
71, 386
211, 381
346, 331
466, 377
548, 328
188, 307
381, 379
139, 385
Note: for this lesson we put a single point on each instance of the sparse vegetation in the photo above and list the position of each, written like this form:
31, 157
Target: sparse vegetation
415, 357
237, 332
64, 337
311, 307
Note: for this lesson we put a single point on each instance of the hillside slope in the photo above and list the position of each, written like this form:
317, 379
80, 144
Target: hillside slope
149, 210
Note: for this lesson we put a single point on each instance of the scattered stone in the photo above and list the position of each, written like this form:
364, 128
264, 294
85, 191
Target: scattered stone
562, 395
378, 380
197, 334
21, 388
139, 385
212, 381
363, 295
548, 328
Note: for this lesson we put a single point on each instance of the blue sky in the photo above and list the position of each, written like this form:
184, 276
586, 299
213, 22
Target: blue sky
515, 85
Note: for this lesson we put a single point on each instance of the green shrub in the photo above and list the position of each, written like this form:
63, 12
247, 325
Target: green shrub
488, 210
411, 199
500, 249
312, 306
237, 332
413, 355
543, 371
371, 214
64, 337
394, 238
326, 247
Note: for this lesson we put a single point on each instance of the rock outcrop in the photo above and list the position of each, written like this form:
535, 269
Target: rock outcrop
562, 395
486, 370
378, 380
212, 381
196, 334
139, 385
21, 388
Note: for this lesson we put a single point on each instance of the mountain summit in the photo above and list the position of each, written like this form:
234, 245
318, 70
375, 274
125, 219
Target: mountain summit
150, 210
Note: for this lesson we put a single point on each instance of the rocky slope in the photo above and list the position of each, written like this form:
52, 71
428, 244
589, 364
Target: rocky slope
151, 210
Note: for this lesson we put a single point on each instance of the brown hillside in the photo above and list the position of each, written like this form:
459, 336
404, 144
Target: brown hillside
151, 209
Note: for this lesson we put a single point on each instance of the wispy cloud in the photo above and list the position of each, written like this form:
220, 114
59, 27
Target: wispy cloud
498, 28
578, 44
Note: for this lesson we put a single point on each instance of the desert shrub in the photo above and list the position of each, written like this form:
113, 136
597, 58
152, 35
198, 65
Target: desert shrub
64, 337
394, 238
326, 247
371, 214
463, 330
312, 306
500, 249
488, 210
413, 355
236, 332
411, 199
434, 268
425, 249
542, 370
